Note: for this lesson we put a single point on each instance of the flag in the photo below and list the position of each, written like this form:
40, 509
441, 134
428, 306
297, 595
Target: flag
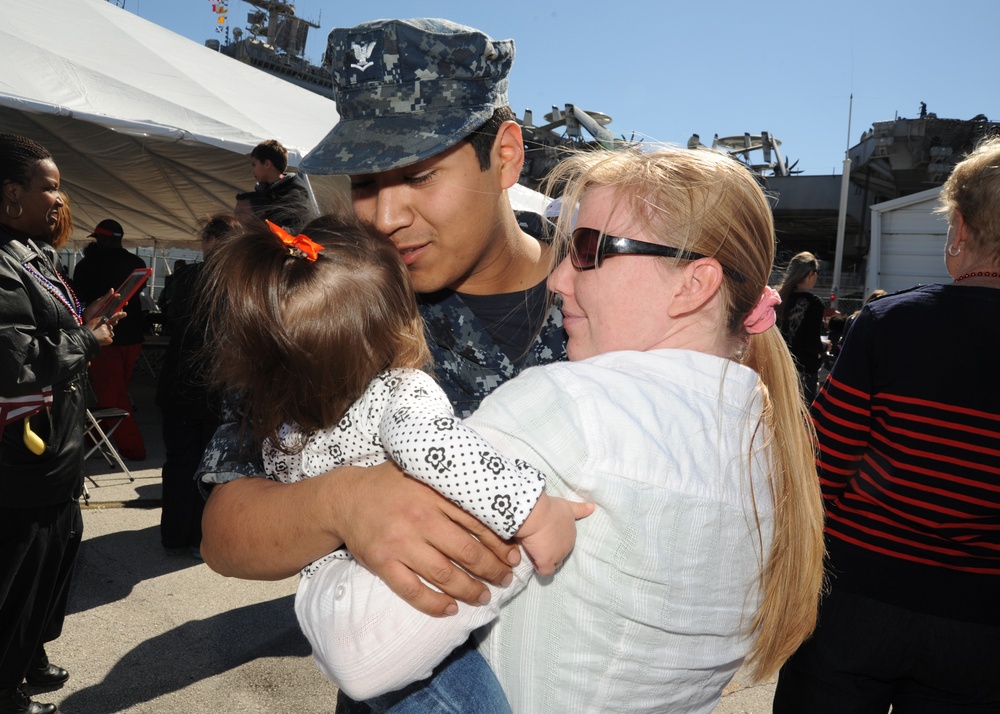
14, 408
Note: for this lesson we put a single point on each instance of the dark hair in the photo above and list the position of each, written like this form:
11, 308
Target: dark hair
303, 339
64, 225
483, 138
19, 156
219, 226
271, 150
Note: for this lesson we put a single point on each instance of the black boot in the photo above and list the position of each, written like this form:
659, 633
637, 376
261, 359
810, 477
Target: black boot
15, 701
43, 673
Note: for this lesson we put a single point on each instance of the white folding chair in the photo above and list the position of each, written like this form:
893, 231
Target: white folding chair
102, 440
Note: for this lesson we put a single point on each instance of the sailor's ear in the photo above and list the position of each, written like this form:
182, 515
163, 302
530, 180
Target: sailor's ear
508, 153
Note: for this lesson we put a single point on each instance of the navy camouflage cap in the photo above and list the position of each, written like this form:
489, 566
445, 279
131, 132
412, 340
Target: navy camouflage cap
407, 90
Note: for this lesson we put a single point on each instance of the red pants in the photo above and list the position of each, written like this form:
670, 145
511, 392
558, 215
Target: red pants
110, 376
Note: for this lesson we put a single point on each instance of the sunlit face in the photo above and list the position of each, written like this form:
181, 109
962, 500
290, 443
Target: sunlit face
260, 170
623, 304
40, 201
441, 213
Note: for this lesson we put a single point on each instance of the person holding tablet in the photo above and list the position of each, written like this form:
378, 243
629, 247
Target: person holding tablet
46, 338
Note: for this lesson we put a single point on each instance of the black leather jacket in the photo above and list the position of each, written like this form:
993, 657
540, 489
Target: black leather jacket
42, 343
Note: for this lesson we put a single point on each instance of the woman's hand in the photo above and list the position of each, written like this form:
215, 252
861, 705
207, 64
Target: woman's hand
90, 312
549, 532
400, 528
104, 330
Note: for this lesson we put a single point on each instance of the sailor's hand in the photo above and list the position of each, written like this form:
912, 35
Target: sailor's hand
400, 529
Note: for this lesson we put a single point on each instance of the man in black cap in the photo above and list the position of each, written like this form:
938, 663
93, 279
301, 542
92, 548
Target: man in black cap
105, 265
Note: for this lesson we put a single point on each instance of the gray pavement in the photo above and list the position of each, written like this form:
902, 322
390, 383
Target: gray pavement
147, 632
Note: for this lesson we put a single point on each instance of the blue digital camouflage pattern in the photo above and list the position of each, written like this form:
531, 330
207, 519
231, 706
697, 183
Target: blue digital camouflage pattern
407, 90
467, 364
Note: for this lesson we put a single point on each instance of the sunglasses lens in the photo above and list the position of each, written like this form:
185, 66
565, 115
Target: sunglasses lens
584, 254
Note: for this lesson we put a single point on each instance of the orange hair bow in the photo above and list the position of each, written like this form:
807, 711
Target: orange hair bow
304, 244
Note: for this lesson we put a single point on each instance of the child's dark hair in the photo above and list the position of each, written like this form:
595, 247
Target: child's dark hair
303, 339
220, 226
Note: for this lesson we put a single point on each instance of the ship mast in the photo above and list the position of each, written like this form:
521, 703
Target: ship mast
275, 9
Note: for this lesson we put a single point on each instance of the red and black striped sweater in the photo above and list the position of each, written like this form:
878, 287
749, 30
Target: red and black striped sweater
909, 434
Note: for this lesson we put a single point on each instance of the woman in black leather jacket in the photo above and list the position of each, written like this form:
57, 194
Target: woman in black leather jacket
46, 341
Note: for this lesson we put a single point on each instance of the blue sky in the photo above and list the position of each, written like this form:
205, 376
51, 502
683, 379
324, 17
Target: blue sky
664, 70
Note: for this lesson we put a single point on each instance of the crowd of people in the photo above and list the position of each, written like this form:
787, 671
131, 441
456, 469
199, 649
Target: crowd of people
589, 467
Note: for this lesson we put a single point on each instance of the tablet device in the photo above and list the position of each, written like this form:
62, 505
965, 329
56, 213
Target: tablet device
124, 292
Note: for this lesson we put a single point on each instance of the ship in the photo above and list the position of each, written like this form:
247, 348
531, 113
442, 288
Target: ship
892, 159
274, 41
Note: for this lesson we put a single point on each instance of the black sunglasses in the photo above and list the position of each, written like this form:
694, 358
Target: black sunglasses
589, 251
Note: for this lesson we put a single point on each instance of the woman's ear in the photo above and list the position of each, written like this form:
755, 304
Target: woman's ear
10, 190
508, 153
700, 282
961, 229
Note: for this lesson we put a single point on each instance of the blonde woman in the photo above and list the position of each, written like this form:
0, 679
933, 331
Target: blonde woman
679, 416
800, 319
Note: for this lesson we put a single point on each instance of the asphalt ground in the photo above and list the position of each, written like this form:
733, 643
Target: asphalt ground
149, 632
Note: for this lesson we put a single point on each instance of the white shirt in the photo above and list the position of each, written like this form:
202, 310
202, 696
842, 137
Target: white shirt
650, 612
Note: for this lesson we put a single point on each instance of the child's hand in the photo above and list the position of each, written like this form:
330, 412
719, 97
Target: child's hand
549, 532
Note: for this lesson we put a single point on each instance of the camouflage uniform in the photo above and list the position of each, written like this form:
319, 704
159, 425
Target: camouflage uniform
467, 363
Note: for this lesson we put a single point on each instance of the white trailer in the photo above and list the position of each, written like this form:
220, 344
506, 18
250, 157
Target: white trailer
907, 243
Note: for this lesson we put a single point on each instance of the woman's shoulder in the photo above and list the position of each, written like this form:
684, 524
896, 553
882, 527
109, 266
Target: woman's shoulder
813, 299
655, 371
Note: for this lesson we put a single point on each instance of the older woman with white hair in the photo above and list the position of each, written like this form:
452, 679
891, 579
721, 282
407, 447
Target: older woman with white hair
909, 445
679, 416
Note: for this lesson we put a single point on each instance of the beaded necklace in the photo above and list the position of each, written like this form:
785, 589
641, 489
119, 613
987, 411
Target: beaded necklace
74, 307
980, 274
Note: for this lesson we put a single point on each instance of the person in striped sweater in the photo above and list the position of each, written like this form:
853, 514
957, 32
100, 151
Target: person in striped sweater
908, 425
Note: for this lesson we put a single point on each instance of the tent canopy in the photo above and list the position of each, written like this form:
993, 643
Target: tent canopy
146, 126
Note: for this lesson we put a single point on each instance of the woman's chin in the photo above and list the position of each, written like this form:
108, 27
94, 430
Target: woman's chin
577, 351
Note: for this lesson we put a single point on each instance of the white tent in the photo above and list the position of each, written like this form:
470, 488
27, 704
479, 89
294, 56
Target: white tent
146, 126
